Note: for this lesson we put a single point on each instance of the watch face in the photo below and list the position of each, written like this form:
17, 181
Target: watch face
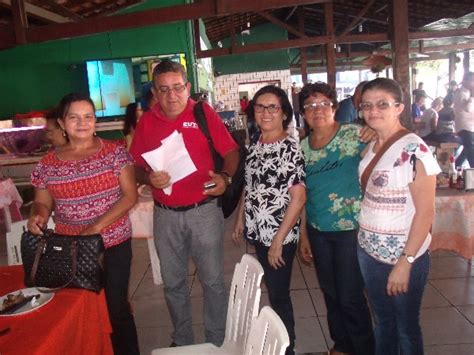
411, 259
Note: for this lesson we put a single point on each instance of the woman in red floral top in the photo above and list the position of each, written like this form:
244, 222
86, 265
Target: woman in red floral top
90, 185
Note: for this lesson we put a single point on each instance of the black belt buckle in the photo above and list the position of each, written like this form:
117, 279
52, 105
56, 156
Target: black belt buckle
184, 208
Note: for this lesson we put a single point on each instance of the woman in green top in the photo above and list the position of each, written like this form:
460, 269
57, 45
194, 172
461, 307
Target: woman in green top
332, 153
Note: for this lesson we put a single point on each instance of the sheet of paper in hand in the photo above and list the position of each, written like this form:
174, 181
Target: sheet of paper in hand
172, 157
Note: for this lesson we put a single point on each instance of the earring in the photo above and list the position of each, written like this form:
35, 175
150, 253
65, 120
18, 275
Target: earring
64, 133
95, 134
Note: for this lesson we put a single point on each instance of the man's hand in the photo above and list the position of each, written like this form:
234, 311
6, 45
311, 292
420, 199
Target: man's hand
221, 184
159, 179
36, 223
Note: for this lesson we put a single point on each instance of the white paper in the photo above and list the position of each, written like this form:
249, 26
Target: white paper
172, 157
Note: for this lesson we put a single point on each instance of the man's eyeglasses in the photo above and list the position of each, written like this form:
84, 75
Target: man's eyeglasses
314, 105
176, 88
380, 105
270, 108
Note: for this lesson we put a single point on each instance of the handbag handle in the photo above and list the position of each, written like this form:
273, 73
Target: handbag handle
39, 250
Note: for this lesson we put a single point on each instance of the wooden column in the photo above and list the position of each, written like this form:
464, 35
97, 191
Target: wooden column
20, 20
452, 66
303, 50
330, 52
465, 61
401, 62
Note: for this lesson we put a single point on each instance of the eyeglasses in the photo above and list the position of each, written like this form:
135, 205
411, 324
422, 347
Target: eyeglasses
270, 108
76, 118
176, 88
380, 105
314, 105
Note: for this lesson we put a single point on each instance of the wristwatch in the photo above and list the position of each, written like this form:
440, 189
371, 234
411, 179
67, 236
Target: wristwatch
227, 177
410, 258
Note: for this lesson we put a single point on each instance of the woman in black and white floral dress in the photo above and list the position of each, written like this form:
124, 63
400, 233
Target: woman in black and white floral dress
274, 196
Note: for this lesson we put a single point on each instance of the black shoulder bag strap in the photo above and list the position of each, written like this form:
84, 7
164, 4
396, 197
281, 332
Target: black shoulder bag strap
201, 121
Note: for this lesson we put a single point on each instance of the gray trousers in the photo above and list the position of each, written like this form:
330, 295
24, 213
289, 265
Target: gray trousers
198, 233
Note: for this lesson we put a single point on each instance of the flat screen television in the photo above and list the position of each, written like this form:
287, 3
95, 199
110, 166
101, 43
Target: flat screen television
111, 85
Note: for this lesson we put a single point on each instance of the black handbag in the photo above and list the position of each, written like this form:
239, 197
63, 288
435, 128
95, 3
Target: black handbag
56, 261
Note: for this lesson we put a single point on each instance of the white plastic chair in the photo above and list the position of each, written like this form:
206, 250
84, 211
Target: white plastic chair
267, 335
244, 300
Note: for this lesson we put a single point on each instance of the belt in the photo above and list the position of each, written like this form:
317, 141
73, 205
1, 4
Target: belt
184, 208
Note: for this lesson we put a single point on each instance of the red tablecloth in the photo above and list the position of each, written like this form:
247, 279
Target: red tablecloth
74, 322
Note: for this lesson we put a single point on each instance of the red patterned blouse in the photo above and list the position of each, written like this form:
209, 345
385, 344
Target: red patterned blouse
83, 190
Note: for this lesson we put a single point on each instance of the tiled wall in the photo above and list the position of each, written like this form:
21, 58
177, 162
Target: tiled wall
227, 86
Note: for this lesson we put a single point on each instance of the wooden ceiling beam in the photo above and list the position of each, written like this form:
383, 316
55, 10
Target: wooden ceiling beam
39, 12
356, 20
20, 20
63, 11
281, 24
442, 34
199, 9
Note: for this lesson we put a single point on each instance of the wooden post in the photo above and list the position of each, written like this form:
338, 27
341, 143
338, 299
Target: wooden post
465, 62
303, 51
20, 20
330, 52
452, 66
400, 58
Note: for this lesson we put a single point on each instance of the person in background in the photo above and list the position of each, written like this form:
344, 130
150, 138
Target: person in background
133, 113
451, 89
188, 221
274, 195
464, 110
429, 119
244, 102
89, 183
348, 109
332, 155
417, 107
54, 133
445, 132
395, 220
419, 91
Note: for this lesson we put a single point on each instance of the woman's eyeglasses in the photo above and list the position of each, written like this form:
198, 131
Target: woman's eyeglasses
270, 108
313, 106
380, 105
176, 88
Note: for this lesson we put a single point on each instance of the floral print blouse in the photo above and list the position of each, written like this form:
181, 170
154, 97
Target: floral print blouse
332, 183
387, 208
270, 171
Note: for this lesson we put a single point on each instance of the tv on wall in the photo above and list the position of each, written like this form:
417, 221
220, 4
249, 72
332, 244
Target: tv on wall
111, 85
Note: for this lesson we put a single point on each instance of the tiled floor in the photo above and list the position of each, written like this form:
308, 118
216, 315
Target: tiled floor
447, 314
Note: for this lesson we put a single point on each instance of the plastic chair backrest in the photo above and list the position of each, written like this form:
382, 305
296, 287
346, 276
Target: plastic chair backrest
244, 301
267, 335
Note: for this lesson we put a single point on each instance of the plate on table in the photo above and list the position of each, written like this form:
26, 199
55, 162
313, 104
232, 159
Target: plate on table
30, 306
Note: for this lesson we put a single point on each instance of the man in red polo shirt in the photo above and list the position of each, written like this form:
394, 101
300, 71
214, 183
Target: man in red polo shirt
187, 222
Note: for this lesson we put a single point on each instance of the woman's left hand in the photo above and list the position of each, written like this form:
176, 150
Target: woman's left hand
367, 134
399, 278
274, 255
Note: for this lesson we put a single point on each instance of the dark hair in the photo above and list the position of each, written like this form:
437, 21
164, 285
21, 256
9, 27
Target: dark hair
167, 66
67, 100
317, 88
447, 101
388, 85
284, 103
53, 115
130, 120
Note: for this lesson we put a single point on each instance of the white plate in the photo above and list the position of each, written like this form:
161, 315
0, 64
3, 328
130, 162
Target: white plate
41, 301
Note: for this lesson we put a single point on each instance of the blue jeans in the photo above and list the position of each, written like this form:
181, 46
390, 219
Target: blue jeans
468, 148
397, 318
197, 233
278, 285
338, 272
